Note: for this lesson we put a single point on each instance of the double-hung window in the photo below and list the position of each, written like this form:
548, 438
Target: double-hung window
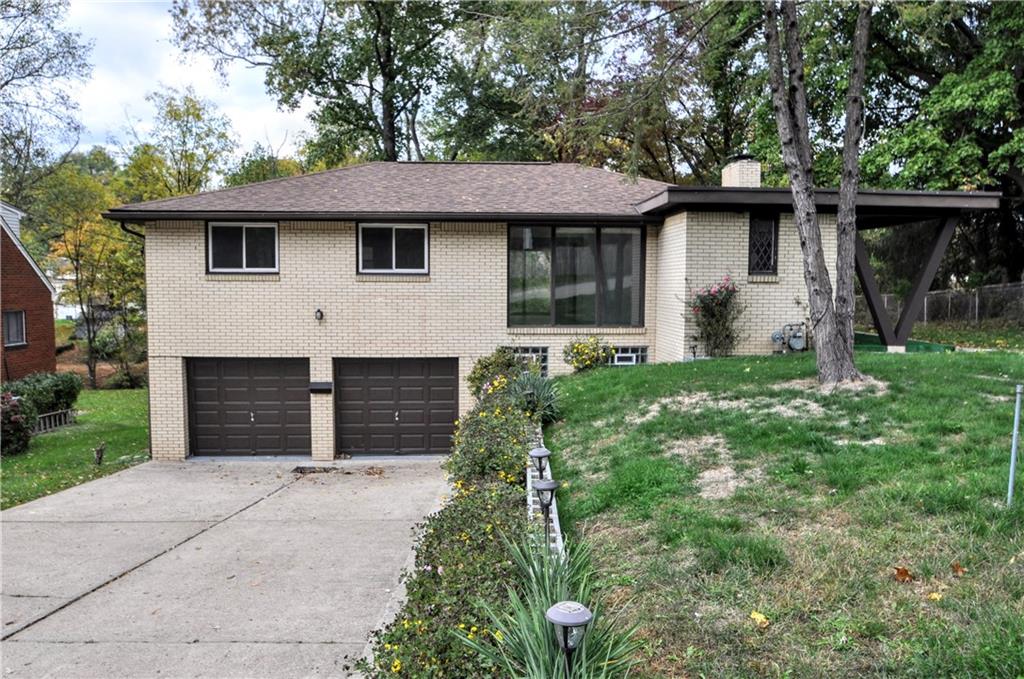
763, 252
242, 248
575, 276
393, 248
14, 328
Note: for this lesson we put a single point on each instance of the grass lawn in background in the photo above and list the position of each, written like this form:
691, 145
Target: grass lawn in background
64, 458
716, 489
985, 335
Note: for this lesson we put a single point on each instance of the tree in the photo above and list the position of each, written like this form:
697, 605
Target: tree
261, 164
368, 66
831, 318
38, 58
189, 144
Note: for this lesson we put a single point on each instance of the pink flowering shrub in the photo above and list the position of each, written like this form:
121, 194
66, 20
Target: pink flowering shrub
716, 309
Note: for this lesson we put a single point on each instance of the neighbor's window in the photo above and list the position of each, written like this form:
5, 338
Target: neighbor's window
393, 248
575, 276
243, 248
763, 258
14, 328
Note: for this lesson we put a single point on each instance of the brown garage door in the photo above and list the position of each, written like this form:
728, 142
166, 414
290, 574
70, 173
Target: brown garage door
249, 406
395, 405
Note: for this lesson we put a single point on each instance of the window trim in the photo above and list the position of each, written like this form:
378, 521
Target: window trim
243, 270
24, 329
598, 272
393, 271
766, 216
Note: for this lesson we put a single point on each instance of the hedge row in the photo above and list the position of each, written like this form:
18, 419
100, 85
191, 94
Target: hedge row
36, 394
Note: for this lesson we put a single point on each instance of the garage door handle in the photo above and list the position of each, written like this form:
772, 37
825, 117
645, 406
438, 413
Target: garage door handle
396, 416
252, 416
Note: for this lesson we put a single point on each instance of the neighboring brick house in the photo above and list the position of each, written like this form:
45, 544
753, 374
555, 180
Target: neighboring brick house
340, 312
26, 298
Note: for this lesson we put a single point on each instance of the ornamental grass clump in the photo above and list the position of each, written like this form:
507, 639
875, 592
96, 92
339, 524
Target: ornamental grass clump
716, 310
584, 353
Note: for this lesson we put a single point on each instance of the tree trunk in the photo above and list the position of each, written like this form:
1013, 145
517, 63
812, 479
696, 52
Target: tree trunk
834, 357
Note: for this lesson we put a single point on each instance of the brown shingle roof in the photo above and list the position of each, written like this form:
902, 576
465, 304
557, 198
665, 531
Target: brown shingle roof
435, 189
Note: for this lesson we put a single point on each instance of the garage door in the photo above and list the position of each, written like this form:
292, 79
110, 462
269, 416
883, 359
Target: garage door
249, 406
395, 405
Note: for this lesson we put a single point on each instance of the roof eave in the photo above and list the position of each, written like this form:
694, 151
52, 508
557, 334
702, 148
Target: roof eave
143, 216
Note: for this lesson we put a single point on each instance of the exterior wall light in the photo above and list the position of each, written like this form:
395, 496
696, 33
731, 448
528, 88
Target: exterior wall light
540, 459
319, 315
570, 620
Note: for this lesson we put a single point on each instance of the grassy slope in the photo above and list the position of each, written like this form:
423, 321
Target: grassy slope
64, 458
915, 477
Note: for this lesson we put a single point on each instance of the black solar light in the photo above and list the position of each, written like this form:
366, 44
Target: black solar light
546, 494
540, 459
570, 620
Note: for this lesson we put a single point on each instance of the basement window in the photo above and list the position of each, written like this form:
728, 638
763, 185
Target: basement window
393, 248
538, 354
14, 328
763, 257
629, 356
242, 248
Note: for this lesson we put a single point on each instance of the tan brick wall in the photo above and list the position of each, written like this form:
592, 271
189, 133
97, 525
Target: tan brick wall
742, 173
456, 311
670, 281
716, 245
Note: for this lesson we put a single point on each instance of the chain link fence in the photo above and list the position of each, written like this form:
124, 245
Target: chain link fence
989, 302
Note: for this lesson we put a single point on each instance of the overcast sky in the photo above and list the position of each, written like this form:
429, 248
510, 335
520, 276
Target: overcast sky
133, 55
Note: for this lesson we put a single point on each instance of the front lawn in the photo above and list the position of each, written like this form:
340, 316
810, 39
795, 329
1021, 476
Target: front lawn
64, 458
715, 490
989, 334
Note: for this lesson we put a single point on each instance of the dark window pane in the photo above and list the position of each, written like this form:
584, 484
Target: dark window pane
376, 248
260, 247
409, 250
620, 262
226, 247
529, 276
575, 276
763, 254
14, 327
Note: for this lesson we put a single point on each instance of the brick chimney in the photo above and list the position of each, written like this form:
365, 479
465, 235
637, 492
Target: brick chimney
742, 171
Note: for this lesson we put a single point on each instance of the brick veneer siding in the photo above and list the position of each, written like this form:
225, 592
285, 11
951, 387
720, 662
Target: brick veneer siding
671, 289
458, 310
23, 290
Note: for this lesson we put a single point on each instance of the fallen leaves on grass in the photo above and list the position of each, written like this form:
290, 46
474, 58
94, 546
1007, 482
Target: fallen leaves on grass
374, 471
760, 619
935, 596
958, 570
902, 574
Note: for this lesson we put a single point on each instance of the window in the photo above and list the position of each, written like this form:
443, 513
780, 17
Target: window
242, 248
538, 354
575, 276
393, 248
14, 328
628, 356
763, 257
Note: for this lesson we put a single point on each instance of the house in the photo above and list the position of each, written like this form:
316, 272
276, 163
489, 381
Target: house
26, 298
340, 312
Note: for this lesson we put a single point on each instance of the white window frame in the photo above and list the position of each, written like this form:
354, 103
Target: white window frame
394, 269
24, 329
244, 269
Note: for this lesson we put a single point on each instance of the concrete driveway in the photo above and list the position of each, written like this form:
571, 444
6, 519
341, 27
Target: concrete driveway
211, 568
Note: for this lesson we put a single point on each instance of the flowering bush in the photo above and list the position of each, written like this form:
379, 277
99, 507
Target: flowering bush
18, 419
583, 353
491, 442
491, 374
715, 311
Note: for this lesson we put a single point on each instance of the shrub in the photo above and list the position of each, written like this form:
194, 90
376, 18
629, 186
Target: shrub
18, 419
125, 379
491, 373
491, 442
583, 353
716, 310
536, 394
522, 641
47, 392
462, 565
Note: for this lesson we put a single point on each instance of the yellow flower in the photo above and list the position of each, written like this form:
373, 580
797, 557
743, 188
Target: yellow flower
760, 619
498, 635
396, 666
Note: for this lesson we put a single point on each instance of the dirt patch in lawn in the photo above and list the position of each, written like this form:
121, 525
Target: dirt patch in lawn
721, 480
868, 385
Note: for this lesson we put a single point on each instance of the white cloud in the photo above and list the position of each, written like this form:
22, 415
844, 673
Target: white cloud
133, 55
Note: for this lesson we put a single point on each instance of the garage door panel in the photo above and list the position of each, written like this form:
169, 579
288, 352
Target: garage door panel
247, 406
424, 392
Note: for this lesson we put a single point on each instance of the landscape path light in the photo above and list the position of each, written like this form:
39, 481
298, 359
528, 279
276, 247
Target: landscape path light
546, 494
540, 459
570, 620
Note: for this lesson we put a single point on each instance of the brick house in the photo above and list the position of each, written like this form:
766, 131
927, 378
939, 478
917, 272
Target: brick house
26, 298
340, 312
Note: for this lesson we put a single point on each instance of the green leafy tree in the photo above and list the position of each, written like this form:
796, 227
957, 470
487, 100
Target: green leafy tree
261, 164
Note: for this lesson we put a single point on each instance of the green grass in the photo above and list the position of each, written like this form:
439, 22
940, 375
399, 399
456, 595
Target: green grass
985, 335
870, 342
834, 491
63, 329
64, 458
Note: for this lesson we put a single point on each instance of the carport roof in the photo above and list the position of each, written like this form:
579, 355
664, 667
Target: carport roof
509, 191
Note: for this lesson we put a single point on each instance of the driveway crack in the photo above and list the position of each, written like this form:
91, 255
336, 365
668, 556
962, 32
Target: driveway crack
170, 549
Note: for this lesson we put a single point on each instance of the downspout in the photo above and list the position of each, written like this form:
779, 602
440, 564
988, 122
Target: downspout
149, 390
